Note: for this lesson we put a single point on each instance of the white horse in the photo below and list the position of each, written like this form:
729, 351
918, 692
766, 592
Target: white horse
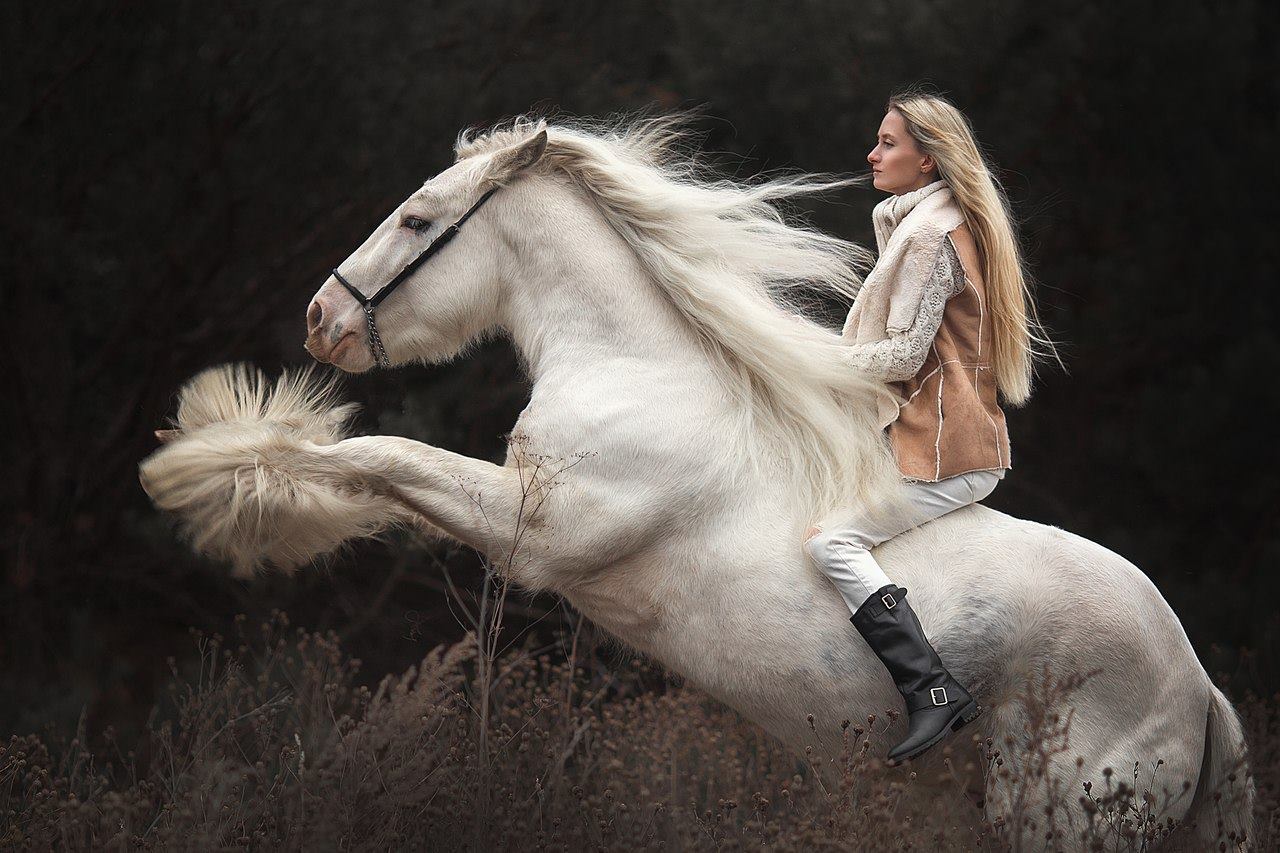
653, 308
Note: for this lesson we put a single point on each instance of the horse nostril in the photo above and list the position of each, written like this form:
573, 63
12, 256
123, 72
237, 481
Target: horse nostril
314, 315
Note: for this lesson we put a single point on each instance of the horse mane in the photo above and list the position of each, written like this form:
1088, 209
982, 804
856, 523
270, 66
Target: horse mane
739, 274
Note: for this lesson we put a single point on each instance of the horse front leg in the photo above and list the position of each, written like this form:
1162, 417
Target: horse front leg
494, 509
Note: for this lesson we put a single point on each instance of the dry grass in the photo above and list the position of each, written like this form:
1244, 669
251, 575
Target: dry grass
271, 741
268, 743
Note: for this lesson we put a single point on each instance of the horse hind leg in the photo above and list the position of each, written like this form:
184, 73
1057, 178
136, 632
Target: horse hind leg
1058, 783
1026, 786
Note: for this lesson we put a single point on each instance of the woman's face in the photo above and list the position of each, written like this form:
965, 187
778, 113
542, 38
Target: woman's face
897, 164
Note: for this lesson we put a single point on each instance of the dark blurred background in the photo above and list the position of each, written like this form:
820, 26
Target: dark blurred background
180, 176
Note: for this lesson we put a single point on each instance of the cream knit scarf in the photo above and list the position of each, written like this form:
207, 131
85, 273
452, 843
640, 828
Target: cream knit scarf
909, 232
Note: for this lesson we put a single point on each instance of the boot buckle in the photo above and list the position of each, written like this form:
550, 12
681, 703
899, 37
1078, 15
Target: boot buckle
888, 601
933, 695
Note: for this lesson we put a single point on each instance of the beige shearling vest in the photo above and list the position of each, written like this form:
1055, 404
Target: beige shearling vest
951, 422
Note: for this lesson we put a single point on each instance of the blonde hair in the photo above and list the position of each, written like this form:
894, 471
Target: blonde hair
942, 131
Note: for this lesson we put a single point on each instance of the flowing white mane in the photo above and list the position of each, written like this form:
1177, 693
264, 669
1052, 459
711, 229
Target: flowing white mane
723, 254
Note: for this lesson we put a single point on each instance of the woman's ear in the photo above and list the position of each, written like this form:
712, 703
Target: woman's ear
929, 166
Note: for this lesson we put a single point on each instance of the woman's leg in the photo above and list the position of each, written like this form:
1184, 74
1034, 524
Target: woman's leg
936, 702
984, 482
843, 551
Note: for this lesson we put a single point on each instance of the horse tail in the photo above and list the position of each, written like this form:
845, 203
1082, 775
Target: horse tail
1222, 807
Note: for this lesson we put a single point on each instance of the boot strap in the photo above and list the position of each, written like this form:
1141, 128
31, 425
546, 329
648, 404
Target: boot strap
882, 601
935, 697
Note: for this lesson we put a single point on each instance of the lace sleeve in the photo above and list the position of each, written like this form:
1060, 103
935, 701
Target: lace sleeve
900, 356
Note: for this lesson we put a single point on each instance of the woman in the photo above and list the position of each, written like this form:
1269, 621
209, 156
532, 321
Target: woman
946, 320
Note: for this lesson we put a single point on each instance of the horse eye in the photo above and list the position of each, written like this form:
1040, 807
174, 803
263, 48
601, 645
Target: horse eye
415, 223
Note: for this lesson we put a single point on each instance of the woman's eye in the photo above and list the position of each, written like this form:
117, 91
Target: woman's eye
415, 223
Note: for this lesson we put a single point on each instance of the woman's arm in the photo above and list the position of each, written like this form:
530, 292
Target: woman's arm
900, 356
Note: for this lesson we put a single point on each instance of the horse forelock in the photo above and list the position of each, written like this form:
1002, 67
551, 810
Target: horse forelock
738, 272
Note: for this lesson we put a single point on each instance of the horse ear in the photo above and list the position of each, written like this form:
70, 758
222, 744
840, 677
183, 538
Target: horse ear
509, 162
167, 435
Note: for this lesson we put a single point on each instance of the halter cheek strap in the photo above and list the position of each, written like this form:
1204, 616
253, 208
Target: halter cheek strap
375, 340
368, 303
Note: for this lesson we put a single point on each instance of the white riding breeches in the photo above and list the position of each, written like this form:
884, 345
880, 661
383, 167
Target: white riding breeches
843, 551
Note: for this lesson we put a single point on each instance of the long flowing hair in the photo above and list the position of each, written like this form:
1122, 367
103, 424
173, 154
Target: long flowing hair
738, 272
943, 132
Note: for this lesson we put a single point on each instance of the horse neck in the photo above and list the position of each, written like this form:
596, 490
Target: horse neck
581, 298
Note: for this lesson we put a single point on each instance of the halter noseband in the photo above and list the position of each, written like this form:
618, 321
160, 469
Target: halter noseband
368, 303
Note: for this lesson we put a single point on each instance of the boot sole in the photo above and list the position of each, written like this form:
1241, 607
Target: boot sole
965, 715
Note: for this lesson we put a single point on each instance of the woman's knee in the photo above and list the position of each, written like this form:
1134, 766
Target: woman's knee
983, 483
823, 547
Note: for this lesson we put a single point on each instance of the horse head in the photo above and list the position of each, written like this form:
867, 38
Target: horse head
442, 304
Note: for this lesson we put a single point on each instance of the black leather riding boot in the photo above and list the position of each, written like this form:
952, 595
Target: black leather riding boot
936, 702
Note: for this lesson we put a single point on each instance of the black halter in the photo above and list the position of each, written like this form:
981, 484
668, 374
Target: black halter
368, 303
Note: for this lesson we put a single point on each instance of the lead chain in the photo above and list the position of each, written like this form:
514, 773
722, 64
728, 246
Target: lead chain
379, 352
